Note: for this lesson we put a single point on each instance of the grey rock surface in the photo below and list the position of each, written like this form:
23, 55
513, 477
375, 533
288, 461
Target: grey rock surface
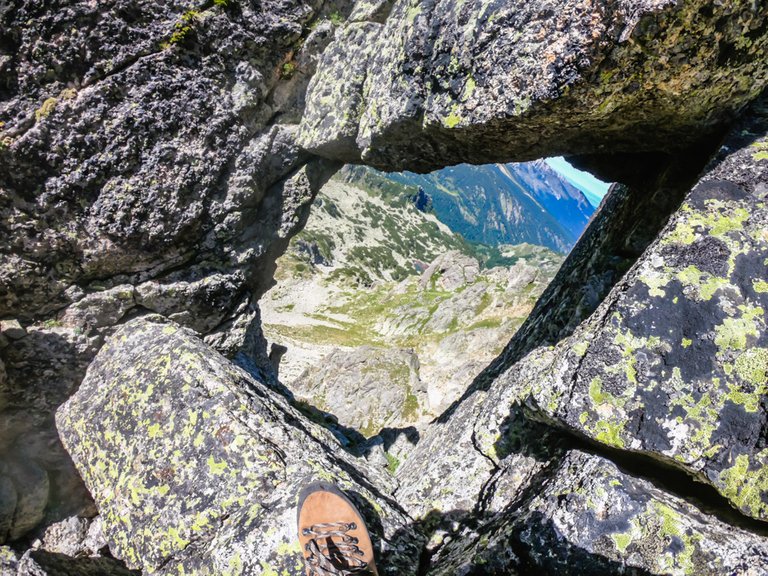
67, 537
366, 388
674, 362
195, 466
492, 453
445, 82
151, 160
147, 163
590, 517
450, 271
43, 563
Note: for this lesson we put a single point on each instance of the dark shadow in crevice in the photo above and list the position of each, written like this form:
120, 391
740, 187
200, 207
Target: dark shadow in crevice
46, 486
55, 564
390, 436
513, 553
671, 479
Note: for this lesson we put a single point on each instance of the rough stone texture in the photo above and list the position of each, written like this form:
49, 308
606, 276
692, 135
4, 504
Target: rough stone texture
589, 517
67, 537
93, 145
675, 362
147, 163
43, 563
366, 388
444, 82
195, 466
9, 561
450, 271
39, 480
491, 453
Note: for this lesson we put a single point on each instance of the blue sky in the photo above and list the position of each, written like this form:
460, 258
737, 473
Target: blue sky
592, 188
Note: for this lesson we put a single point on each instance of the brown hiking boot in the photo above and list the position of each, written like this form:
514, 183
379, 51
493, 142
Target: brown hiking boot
332, 533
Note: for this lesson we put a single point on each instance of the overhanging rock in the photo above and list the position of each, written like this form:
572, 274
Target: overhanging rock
443, 82
196, 467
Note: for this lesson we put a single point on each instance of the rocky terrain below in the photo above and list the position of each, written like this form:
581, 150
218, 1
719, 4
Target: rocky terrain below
157, 158
376, 353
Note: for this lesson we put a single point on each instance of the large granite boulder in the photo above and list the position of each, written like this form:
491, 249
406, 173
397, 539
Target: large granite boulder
675, 361
147, 162
590, 517
195, 466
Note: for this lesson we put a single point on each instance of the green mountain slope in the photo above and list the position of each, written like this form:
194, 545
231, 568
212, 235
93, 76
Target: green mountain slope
386, 314
506, 203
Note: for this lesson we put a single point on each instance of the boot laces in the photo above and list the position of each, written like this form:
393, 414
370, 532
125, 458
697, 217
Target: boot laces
333, 552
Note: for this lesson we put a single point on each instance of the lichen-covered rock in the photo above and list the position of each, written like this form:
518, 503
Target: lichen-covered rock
590, 517
44, 563
9, 561
675, 361
150, 161
447, 82
142, 167
606, 381
195, 466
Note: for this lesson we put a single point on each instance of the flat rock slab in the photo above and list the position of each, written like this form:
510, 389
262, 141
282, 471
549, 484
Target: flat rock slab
195, 466
590, 517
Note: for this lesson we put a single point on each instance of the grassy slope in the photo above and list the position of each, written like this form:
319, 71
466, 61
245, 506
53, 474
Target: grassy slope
372, 244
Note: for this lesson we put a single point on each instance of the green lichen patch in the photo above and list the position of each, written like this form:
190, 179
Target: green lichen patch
746, 483
752, 366
733, 333
177, 453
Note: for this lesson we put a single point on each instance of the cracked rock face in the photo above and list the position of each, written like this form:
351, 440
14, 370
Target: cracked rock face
592, 518
157, 157
675, 362
605, 382
444, 82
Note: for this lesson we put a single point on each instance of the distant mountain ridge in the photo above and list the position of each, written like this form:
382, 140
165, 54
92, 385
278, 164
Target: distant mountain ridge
506, 203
